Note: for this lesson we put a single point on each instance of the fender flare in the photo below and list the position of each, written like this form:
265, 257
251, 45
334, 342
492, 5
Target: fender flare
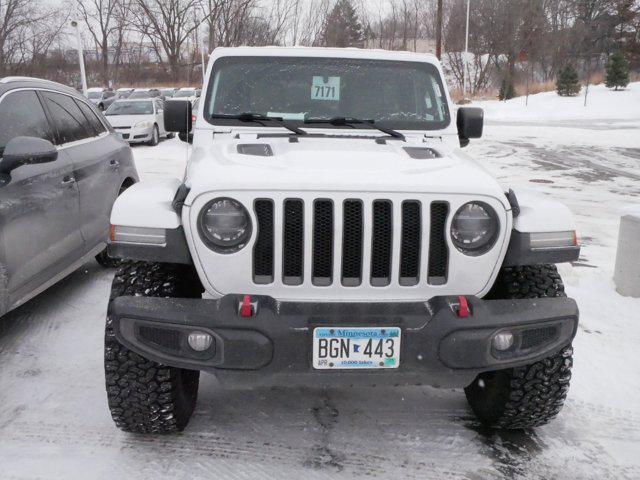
539, 214
147, 205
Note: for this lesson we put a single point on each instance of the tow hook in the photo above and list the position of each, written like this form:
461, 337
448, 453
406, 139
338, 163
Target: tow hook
461, 309
247, 308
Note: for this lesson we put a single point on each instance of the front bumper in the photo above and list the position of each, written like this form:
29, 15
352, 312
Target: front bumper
273, 347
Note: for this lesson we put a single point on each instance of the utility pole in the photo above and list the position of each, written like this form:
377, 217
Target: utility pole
204, 67
439, 31
465, 76
83, 76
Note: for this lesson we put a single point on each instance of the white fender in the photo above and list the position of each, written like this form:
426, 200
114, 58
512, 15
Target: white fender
539, 213
147, 204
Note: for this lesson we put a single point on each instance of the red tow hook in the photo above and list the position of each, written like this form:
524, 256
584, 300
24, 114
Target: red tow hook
463, 307
246, 310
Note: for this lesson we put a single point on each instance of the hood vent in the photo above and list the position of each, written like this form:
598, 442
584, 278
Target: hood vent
421, 153
255, 149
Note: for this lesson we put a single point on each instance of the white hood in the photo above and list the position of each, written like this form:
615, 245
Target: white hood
336, 164
128, 120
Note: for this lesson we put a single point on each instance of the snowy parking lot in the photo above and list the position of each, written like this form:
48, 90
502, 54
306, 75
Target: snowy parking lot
55, 424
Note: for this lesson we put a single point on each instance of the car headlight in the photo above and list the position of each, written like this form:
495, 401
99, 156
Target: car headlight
475, 228
143, 124
224, 225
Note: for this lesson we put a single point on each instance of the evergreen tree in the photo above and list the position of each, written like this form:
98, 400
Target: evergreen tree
567, 84
342, 27
507, 91
617, 71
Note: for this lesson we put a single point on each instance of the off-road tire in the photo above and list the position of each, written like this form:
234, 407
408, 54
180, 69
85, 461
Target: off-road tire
145, 396
531, 395
155, 137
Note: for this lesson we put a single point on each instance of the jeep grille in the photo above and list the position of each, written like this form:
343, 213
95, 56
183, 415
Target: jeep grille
351, 228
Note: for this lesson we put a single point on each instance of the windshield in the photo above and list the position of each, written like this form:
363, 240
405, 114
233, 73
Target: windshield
185, 93
396, 94
130, 108
94, 95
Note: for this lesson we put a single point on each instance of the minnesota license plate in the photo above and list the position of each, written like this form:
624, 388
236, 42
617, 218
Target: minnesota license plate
356, 347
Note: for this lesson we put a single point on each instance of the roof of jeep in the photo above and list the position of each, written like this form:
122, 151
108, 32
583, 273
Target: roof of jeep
329, 52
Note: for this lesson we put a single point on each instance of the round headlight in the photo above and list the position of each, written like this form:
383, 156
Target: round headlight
474, 228
224, 225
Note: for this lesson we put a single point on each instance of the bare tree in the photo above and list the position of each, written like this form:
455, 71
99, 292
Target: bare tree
106, 24
168, 25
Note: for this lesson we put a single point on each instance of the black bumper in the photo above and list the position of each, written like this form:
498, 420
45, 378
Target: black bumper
273, 347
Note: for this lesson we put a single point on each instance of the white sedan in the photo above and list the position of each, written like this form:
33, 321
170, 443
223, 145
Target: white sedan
138, 120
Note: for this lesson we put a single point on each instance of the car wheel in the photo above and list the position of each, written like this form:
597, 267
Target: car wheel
531, 395
145, 396
155, 137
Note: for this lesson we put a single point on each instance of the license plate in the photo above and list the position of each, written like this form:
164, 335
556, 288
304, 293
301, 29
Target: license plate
356, 347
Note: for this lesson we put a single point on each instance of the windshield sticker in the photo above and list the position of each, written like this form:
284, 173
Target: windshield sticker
287, 115
325, 88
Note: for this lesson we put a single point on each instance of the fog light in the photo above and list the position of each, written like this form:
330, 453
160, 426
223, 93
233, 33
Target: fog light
200, 341
503, 341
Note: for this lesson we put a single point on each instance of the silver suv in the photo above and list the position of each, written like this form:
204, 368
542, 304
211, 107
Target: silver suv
61, 169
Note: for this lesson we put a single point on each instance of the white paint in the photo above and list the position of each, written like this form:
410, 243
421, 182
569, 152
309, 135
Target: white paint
147, 204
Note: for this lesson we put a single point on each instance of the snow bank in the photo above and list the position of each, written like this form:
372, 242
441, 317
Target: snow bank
602, 104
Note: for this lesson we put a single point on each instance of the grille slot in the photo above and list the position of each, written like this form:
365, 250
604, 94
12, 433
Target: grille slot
293, 242
537, 336
327, 243
381, 240
438, 250
322, 243
352, 237
162, 337
263, 249
410, 243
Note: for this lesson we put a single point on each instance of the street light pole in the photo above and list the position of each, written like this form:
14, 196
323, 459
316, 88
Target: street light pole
465, 74
83, 76
203, 64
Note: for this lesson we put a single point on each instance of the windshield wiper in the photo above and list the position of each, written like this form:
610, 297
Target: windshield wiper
259, 117
350, 121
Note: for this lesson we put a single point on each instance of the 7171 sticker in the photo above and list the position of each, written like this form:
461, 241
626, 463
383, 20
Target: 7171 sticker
325, 88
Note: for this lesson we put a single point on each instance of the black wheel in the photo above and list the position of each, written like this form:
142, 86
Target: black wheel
155, 137
145, 396
171, 135
531, 395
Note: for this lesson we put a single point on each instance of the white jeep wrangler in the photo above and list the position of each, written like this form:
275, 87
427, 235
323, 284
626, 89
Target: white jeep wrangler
329, 231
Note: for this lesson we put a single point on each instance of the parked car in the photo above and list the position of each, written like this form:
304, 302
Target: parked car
187, 93
330, 233
145, 93
168, 92
138, 120
101, 97
61, 169
125, 92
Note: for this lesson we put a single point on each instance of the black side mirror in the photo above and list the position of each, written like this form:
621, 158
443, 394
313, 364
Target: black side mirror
470, 122
26, 151
177, 116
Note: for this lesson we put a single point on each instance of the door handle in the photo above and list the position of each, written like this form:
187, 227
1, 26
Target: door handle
68, 180
114, 163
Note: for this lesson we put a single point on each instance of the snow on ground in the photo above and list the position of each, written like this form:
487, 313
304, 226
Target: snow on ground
54, 422
602, 104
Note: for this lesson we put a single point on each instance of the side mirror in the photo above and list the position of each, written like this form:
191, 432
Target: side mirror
26, 151
470, 122
177, 116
